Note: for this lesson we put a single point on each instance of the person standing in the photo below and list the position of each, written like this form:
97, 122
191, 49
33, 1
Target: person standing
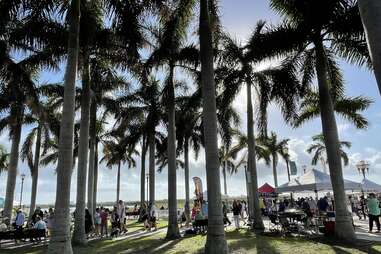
19, 223
97, 221
122, 215
236, 213
104, 221
225, 213
49, 220
373, 212
363, 206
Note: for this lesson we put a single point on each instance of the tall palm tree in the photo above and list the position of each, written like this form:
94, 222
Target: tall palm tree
272, 83
216, 242
319, 31
38, 137
320, 152
60, 240
275, 147
171, 53
116, 152
371, 18
189, 133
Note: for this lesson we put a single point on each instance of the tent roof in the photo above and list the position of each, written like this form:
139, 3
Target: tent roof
266, 188
368, 185
314, 180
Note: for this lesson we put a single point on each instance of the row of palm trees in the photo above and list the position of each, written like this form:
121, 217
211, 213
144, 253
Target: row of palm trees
148, 42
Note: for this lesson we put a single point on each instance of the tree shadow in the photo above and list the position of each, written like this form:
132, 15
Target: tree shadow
338, 246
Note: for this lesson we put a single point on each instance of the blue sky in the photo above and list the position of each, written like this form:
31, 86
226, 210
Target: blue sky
238, 17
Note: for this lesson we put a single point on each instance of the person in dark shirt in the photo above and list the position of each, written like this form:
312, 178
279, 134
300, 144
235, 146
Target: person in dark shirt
323, 204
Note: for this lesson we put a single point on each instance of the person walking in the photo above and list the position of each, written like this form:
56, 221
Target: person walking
373, 212
236, 213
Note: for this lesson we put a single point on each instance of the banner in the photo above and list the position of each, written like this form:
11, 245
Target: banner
198, 187
293, 169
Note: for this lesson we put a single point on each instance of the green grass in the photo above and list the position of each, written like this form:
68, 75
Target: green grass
238, 241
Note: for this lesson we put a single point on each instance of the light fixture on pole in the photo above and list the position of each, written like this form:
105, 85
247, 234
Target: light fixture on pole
363, 167
287, 157
22, 187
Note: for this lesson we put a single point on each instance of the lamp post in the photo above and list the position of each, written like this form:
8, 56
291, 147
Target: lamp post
22, 187
147, 178
285, 152
363, 167
304, 167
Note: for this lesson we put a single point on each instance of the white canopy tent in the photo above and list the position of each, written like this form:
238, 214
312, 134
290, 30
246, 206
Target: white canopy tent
314, 180
368, 186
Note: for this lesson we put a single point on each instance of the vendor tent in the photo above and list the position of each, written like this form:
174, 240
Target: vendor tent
314, 180
368, 185
266, 188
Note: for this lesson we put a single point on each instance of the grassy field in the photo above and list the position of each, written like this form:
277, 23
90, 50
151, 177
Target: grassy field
238, 241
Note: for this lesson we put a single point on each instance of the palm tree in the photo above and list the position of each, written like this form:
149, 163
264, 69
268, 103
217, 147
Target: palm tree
272, 83
275, 147
216, 242
38, 137
320, 154
318, 31
60, 240
371, 18
116, 152
349, 108
189, 133
171, 53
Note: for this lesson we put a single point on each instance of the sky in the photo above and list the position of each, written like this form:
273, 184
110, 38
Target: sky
238, 18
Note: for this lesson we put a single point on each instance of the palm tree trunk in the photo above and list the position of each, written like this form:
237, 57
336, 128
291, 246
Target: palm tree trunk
344, 229
224, 175
173, 229
186, 174
143, 173
370, 11
35, 173
13, 162
275, 172
152, 167
93, 136
79, 234
249, 194
118, 184
215, 242
60, 240
251, 162
95, 175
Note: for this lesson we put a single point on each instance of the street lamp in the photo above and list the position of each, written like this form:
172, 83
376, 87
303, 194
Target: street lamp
147, 178
285, 152
304, 167
363, 167
22, 187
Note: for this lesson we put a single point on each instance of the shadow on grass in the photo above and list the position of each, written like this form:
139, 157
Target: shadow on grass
338, 246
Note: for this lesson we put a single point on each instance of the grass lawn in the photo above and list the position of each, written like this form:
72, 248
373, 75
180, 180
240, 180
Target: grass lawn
238, 241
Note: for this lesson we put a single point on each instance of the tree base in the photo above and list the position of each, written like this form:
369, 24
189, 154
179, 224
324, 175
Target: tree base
173, 232
344, 229
79, 240
57, 247
216, 245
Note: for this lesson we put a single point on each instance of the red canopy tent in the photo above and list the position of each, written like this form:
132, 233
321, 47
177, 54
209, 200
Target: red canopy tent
267, 190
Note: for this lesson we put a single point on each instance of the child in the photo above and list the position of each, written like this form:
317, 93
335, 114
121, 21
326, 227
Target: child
97, 222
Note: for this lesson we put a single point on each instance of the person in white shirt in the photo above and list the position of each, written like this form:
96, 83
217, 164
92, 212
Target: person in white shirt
152, 216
